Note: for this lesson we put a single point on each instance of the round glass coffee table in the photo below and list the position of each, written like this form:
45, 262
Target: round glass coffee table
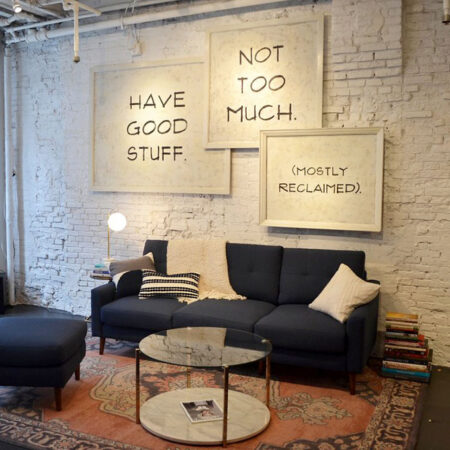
207, 347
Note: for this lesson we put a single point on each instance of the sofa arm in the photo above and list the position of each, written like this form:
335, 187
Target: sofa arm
100, 296
361, 334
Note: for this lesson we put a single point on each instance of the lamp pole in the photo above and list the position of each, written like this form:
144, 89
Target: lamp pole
107, 226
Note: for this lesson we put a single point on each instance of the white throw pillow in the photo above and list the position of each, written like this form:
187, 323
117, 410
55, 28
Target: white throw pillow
343, 293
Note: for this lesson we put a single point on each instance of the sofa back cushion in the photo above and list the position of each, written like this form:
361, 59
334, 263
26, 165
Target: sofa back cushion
305, 272
254, 270
159, 250
129, 283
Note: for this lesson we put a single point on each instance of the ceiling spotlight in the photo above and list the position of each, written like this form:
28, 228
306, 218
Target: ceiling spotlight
17, 7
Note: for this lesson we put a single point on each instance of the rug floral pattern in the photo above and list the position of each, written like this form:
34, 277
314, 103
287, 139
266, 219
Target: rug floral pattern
310, 410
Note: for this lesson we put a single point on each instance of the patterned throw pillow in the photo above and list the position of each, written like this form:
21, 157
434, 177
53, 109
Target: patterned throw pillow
180, 285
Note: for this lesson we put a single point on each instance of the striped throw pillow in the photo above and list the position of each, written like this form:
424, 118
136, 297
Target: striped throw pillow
180, 285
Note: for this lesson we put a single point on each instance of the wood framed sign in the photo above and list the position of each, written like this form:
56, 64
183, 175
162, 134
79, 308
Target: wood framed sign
147, 130
265, 75
328, 179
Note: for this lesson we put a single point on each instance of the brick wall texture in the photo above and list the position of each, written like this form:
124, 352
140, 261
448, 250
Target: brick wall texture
386, 64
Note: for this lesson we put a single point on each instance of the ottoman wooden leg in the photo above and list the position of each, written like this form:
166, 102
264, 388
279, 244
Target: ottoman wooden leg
102, 345
58, 398
77, 373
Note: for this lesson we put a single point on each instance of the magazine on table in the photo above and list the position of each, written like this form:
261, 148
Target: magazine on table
202, 411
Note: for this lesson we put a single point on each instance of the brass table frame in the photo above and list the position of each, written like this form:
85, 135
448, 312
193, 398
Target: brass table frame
226, 373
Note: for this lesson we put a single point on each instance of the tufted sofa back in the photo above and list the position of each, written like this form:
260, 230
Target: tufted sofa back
254, 270
275, 274
305, 272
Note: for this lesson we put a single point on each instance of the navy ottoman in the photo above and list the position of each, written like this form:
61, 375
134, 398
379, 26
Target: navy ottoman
41, 352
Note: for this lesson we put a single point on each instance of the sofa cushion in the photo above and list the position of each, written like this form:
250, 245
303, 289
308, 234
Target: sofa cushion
305, 272
298, 327
129, 283
159, 251
254, 270
238, 314
153, 314
39, 342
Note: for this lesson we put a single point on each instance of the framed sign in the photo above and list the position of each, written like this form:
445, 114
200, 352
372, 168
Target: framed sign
265, 75
147, 130
328, 179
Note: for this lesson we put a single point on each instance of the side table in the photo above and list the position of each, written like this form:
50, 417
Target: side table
96, 276
243, 415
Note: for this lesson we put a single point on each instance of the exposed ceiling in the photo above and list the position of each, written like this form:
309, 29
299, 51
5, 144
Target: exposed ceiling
53, 14
38, 20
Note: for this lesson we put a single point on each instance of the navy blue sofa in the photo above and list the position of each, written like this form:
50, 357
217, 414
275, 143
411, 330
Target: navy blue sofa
278, 282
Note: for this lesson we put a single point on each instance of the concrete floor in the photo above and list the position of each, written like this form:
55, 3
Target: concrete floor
434, 432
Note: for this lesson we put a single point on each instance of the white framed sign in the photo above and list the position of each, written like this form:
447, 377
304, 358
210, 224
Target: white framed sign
265, 75
328, 179
147, 130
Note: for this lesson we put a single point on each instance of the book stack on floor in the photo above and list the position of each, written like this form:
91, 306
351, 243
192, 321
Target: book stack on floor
406, 352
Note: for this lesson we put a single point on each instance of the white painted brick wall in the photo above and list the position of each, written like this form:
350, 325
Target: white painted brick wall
386, 64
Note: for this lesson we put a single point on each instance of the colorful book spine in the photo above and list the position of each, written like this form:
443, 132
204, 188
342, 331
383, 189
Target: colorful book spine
400, 317
101, 271
406, 377
404, 335
403, 343
424, 375
414, 350
408, 360
405, 366
401, 325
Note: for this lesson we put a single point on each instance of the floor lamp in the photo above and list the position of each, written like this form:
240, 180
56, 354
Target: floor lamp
116, 222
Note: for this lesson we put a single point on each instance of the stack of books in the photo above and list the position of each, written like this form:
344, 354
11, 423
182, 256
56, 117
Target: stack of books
406, 352
101, 271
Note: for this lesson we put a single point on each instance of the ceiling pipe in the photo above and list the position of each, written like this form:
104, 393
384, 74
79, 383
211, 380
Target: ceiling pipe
138, 4
105, 9
115, 7
46, 23
148, 17
39, 11
2, 167
75, 5
15, 17
9, 177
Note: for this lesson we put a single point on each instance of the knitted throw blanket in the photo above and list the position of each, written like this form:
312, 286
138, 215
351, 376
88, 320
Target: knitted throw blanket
207, 258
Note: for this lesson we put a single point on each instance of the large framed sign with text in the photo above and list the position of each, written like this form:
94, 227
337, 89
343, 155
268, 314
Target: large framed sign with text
148, 131
266, 76
324, 179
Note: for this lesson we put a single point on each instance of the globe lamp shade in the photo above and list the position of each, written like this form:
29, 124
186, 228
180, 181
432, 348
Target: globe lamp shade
117, 221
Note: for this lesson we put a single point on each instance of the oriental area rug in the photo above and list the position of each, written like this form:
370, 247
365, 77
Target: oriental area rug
309, 409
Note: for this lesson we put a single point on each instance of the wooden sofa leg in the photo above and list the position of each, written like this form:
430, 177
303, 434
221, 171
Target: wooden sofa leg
352, 382
77, 373
58, 398
102, 345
